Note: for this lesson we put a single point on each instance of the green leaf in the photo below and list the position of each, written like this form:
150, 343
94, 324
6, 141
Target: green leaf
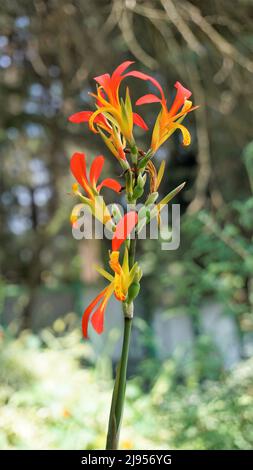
171, 195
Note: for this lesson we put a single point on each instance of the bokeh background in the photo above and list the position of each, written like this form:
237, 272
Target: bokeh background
190, 372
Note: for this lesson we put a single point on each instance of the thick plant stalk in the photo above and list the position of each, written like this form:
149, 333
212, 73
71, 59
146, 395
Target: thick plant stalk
119, 391
118, 396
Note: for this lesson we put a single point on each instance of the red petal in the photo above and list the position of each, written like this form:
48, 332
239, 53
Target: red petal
83, 116
121, 68
110, 183
182, 95
96, 168
139, 121
144, 76
146, 99
103, 80
78, 168
97, 319
100, 119
123, 229
87, 313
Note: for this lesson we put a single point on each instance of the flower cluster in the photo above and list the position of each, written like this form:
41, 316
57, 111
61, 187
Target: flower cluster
114, 120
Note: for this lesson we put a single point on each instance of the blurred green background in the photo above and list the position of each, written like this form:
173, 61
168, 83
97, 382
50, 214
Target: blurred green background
190, 372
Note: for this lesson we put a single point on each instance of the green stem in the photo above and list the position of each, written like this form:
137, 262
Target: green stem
132, 252
118, 397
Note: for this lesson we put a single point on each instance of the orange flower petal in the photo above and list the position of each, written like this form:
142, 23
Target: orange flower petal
78, 169
96, 168
88, 311
110, 183
123, 229
97, 319
82, 116
144, 76
120, 69
103, 80
117, 78
181, 95
146, 99
139, 121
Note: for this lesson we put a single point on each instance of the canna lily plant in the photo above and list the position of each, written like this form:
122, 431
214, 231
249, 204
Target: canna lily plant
113, 119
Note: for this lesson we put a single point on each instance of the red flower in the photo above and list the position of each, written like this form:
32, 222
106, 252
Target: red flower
114, 116
120, 281
78, 168
108, 96
92, 189
168, 120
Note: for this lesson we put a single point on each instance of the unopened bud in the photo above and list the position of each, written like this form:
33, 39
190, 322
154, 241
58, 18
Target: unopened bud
133, 291
124, 164
138, 192
152, 198
143, 162
141, 180
116, 213
144, 213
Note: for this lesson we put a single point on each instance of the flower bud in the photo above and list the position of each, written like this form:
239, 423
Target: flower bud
152, 198
124, 164
141, 180
129, 183
134, 154
138, 192
143, 162
139, 188
144, 213
133, 291
115, 210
